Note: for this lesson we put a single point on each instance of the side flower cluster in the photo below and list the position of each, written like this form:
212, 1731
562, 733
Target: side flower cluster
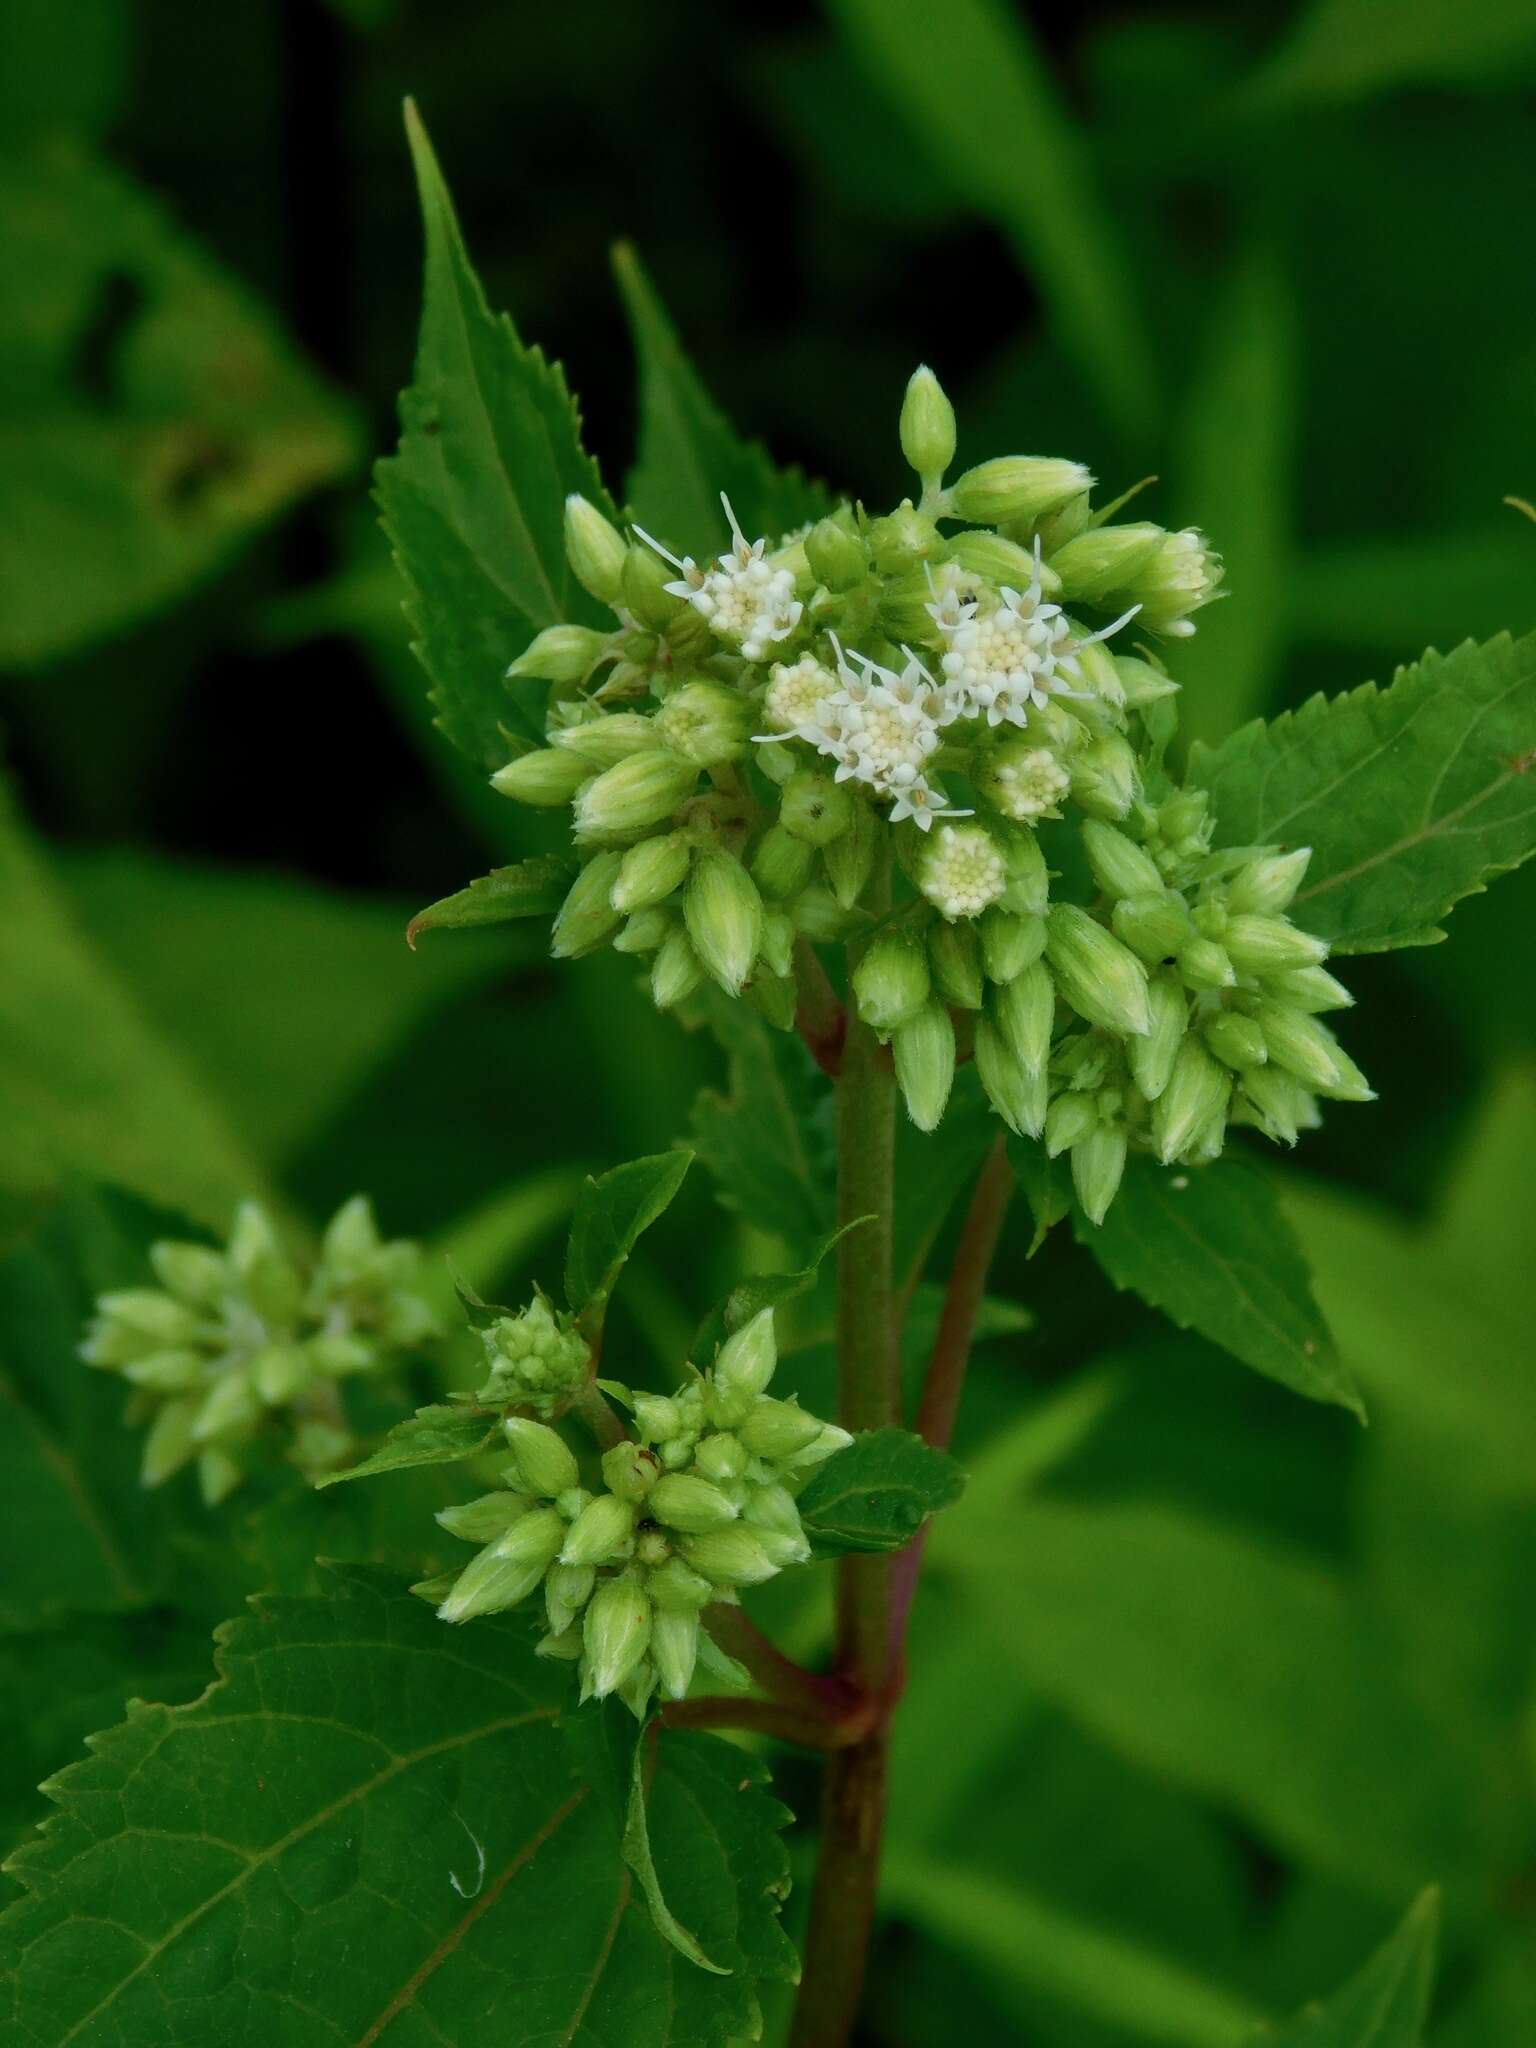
535, 1359
239, 1352
698, 1504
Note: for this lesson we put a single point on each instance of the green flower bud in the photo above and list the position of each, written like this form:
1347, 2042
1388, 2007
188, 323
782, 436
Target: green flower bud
1155, 926
836, 555
1309, 988
1016, 487
680, 1501
777, 951
601, 1533
1204, 964
564, 1645
162, 1372
782, 864
560, 654
615, 1635
1198, 1092
676, 971
636, 1690
927, 426
485, 1520
724, 915
642, 584
650, 872
533, 1537
633, 795
1120, 867
815, 808
229, 1408
1025, 781
1009, 942
587, 916
1268, 883
629, 1471
1028, 890
192, 1272
745, 1362
1018, 1095
150, 1318
604, 742
1105, 561
674, 1650
819, 916
721, 1458
1070, 1119
1269, 945
1300, 1044
218, 1474
279, 1372
1101, 979
646, 931
705, 722
490, 1583
826, 1443
1024, 1011
772, 1507
850, 859
1282, 1105
169, 1444
677, 1589
595, 549
954, 961
903, 540
1001, 561
1065, 523
730, 1557
890, 981
1182, 575
1152, 1057
1142, 685
657, 1417
1106, 779
1098, 1161
776, 1430
924, 1052
542, 1458
774, 997
546, 777
1236, 1040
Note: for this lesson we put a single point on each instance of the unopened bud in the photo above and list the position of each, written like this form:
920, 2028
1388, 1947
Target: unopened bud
560, 654
730, 1557
814, 807
1024, 1010
954, 961
777, 948
1283, 1104
587, 916
782, 864
567, 1589
745, 1362
1069, 1120
629, 1471
776, 1430
1154, 926
601, 742
1152, 1057
818, 914
1268, 883
1237, 1041
705, 722
674, 1650
1019, 488
891, 982
1101, 979
1310, 988
488, 1584
1098, 1161
1142, 685
485, 1520
601, 1533
677, 1588
1105, 561
1028, 887
1197, 1092
721, 1457
927, 426
194, 1273
615, 1634
1259, 944
594, 548
642, 584
924, 1052
542, 1458
1300, 1044
724, 915
836, 555
1182, 575
169, 1444
1106, 779
1010, 942
1120, 867
634, 794
1018, 1095
1205, 965
676, 971
903, 540
679, 1500
650, 872
545, 777
850, 858
1001, 561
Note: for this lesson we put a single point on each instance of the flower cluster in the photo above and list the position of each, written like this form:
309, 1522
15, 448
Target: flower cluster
915, 735
700, 1502
535, 1359
239, 1351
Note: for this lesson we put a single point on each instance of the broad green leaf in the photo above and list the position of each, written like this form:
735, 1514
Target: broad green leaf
474, 501
1410, 797
1242, 395
876, 1494
969, 81
1211, 1248
438, 1435
689, 453
530, 888
1385, 2006
376, 1827
769, 1142
152, 416
613, 1212
1347, 49
86, 1085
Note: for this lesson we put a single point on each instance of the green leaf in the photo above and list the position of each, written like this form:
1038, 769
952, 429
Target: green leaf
530, 888
973, 87
1347, 49
637, 1854
474, 501
375, 1825
1046, 1187
769, 1142
765, 1290
438, 1435
1386, 2005
1212, 1249
688, 451
876, 1494
152, 415
1410, 797
612, 1213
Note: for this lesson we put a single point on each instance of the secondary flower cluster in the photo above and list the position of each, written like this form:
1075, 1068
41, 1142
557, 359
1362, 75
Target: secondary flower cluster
699, 1503
920, 735
535, 1359
239, 1350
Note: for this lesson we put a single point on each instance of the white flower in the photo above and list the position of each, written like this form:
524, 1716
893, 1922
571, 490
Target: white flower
746, 600
1184, 575
962, 870
1027, 782
799, 695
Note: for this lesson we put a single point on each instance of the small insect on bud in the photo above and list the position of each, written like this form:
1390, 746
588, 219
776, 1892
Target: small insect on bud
1018, 488
1106, 779
587, 917
629, 1471
730, 1557
594, 548
676, 971
1155, 926
634, 794
674, 1650
601, 1533
836, 555
1101, 979
1105, 561
560, 654
1010, 942
1205, 965
1098, 1161
815, 808
600, 742
485, 1520
927, 426
1258, 944
891, 982
724, 915
745, 1362
1024, 1010
545, 777
924, 1052
954, 961
1267, 885
705, 722
1197, 1092
679, 1500
650, 872
615, 1635
782, 864
850, 859
543, 1460
642, 587
1120, 867
1237, 1041
1152, 1057
1018, 1096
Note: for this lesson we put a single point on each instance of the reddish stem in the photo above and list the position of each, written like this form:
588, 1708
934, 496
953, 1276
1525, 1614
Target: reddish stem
756, 1717
779, 1676
820, 1018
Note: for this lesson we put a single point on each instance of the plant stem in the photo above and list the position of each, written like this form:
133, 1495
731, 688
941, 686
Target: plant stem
756, 1717
779, 1676
819, 1016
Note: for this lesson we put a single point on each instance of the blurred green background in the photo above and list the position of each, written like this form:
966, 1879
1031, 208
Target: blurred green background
1239, 1678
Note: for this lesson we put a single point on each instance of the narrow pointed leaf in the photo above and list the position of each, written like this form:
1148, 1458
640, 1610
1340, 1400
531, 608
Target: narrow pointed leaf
530, 888
613, 1212
439, 1435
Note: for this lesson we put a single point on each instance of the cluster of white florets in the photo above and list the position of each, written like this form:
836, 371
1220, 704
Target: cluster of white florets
746, 599
963, 871
1028, 783
1010, 652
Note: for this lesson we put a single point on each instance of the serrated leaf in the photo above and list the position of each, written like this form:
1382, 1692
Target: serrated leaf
765, 1290
529, 888
438, 1435
613, 1211
1410, 798
1385, 2006
376, 1827
474, 500
769, 1142
688, 451
1211, 1247
875, 1495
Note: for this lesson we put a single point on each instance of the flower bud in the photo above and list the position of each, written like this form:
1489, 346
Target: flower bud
962, 869
1028, 889
674, 1649
781, 864
675, 1588
1269, 945
679, 1500
1205, 965
776, 1430
629, 1471
927, 426
817, 914
1098, 1161
485, 1520
634, 794
814, 807
1197, 1092
850, 859
724, 915
601, 1533
542, 1458
1025, 781
745, 1362
1024, 1010
1142, 685
1106, 779
544, 777
1001, 561
567, 1589
1016, 487
1267, 884
490, 1583
730, 1557
771, 1506
169, 1444
903, 540
603, 741
924, 1052
1152, 1057
1070, 1119
560, 654
594, 548
1182, 575
705, 722
645, 931
615, 1635
836, 555
229, 1408
954, 961
777, 951
534, 1538
650, 872
1237, 1041
587, 916
1105, 561
1301, 1045
676, 971
1018, 1096
1010, 942
1120, 867
151, 1318
1309, 988
826, 1443
170, 1372
1101, 979
642, 586
890, 982
279, 1372
1282, 1104
1154, 926
721, 1457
